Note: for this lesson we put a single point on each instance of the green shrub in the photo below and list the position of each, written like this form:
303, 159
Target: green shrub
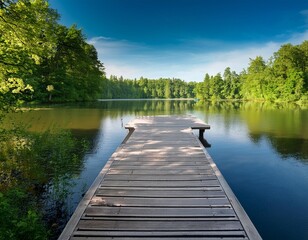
18, 219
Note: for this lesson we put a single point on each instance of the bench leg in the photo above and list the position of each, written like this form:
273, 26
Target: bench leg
201, 133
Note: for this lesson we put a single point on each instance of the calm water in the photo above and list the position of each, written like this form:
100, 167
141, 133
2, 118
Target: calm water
261, 149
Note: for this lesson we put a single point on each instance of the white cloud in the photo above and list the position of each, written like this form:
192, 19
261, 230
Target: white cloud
118, 69
132, 60
304, 13
113, 48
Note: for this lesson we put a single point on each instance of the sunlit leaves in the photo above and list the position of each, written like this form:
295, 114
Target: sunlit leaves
38, 50
29, 25
14, 85
26, 37
283, 78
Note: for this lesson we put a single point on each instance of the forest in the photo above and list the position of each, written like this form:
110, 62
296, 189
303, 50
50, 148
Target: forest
117, 87
284, 77
43, 61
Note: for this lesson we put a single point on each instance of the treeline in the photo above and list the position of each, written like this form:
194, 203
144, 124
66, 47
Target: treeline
42, 60
115, 87
283, 77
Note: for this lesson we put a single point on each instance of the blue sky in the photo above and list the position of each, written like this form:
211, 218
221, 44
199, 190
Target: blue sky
184, 38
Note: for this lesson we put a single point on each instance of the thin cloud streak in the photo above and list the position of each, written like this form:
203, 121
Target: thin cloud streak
304, 13
133, 60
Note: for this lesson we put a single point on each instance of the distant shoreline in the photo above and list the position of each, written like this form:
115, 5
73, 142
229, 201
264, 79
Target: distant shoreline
146, 99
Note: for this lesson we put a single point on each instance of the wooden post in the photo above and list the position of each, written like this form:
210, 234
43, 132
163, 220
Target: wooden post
201, 132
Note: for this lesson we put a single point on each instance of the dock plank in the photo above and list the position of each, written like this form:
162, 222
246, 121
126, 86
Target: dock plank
161, 172
148, 177
160, 202
159, 212
152, 225
160, 184
145, 192
178, 235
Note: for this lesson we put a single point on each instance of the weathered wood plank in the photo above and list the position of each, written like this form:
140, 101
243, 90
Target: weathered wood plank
145, 143
159, 212
160, 184
138, 237
123, 192
162, 158
134, 177
159, 162
162, 153
159, 167
164, 148
157, 238
158, 219
209, 188
198, 225
162, 172
170, 235
159, 202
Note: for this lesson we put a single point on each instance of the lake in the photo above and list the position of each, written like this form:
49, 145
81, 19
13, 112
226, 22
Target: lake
260, 148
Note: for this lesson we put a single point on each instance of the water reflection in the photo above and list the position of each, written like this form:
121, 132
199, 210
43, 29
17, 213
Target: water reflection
87, 116
283, 125
250, 143
290, 147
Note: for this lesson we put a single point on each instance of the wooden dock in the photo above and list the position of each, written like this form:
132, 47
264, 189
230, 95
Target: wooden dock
160, 184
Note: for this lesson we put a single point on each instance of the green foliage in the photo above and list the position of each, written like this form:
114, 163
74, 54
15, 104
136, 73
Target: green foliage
37, 52
74, 70
26, 37
18, 219
148, 88
283, 78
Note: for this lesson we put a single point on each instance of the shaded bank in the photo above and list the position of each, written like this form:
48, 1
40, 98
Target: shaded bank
35, 173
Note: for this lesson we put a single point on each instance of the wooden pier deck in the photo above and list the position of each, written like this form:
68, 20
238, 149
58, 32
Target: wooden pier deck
160, 184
